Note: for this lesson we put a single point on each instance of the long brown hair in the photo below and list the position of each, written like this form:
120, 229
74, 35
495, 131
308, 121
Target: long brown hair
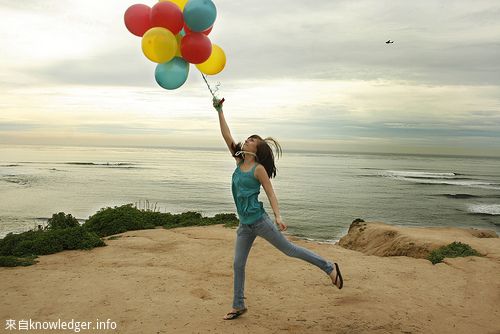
265, 155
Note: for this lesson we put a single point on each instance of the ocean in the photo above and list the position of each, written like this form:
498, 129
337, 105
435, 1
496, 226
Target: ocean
319, 193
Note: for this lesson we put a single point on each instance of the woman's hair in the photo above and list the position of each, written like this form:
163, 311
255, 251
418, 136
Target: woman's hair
265, 155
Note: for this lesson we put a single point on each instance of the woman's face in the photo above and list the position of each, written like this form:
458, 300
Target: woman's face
250, 145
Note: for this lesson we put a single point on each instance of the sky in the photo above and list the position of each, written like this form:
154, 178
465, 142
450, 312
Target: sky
313, 75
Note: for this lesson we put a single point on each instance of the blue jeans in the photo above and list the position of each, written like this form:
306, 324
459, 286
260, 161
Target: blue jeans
267, 229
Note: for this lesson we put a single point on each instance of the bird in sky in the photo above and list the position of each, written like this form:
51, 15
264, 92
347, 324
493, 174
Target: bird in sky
389, 42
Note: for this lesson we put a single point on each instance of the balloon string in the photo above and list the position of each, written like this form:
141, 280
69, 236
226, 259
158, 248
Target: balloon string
210, 88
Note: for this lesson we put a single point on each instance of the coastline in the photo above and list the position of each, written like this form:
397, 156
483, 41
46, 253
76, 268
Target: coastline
180, 280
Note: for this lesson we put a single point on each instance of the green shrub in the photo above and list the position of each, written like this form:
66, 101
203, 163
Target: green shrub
157, 218
228, 219
191, 218
455, 249
108, 221
11, 240
79, 238
12, 261
188, 218
61, 220
41, 242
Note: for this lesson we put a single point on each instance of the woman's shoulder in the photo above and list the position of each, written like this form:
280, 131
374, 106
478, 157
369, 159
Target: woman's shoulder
259, 168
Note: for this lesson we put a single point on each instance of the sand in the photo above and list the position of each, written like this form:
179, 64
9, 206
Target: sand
181, 281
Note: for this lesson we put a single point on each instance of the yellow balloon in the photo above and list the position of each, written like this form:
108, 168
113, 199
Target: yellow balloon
178, 37
180, 3
159, 45
215, 63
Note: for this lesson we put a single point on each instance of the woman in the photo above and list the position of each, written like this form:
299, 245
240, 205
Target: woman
255, 167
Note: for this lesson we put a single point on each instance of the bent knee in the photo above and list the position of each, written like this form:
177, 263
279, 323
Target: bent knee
290, 251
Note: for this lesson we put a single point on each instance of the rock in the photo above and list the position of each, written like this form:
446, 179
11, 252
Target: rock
373, 238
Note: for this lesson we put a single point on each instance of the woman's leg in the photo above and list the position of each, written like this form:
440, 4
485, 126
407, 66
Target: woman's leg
244, 240
268, 230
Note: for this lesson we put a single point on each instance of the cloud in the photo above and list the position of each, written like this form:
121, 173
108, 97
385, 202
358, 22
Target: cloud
306, 72
114, 68
436, 43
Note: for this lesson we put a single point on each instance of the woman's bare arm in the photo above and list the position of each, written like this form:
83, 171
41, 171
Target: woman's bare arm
268, 187
261, 175
226, 134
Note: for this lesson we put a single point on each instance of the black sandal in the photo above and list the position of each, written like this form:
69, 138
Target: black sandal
337, 276
234, 315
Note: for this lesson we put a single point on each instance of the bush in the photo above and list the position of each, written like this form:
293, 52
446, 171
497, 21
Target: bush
60, 221
32, 243
108, 221
455, 249
157, 218
79, 238
228, 219
188, 218
12, 261
191, 218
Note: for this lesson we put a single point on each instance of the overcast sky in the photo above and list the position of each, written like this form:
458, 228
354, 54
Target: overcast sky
312, 74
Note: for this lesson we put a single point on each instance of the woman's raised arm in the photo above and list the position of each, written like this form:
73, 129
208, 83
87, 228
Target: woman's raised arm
224, 128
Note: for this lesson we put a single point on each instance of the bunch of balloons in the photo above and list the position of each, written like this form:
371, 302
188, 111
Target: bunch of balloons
174, 35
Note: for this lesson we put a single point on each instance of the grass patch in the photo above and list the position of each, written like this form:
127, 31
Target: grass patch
455, 249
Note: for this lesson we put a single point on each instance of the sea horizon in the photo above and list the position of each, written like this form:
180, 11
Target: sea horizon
291, 150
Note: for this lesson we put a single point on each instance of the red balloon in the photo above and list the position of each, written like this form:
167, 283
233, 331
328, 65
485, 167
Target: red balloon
137, 19
205, 32
196, 48
167, 15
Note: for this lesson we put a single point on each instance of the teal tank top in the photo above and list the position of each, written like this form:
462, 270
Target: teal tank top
246, 189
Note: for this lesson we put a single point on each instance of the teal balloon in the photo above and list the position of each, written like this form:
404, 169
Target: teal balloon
172, 74
199, 15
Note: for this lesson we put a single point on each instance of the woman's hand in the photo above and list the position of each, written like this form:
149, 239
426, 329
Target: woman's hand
282, 226
217, 104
